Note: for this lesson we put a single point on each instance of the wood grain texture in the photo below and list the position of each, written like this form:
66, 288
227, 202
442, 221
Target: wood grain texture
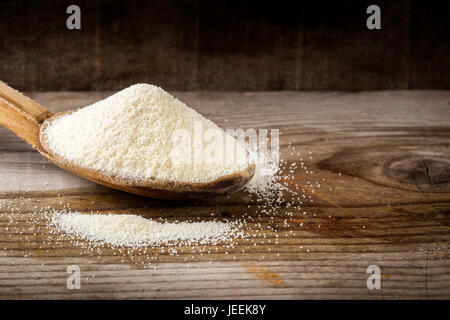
389, 207
225, 45
21, 115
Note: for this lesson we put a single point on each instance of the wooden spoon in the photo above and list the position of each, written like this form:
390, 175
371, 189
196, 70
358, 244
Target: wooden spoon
28, 119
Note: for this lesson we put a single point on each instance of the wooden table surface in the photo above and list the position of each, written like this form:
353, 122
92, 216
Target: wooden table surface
389, 207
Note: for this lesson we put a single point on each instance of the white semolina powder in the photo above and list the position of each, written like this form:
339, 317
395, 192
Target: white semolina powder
265, 182
130, 230
135, 134
131, 134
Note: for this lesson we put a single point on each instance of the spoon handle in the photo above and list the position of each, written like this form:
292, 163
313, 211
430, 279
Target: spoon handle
21, 115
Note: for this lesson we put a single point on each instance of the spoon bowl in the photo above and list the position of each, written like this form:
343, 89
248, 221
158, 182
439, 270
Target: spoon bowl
29, 120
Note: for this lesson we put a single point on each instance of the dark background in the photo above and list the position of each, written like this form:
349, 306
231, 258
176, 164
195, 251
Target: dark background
225, 45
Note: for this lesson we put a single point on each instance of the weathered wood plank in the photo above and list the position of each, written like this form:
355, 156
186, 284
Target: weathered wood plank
389, 206
225, 45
